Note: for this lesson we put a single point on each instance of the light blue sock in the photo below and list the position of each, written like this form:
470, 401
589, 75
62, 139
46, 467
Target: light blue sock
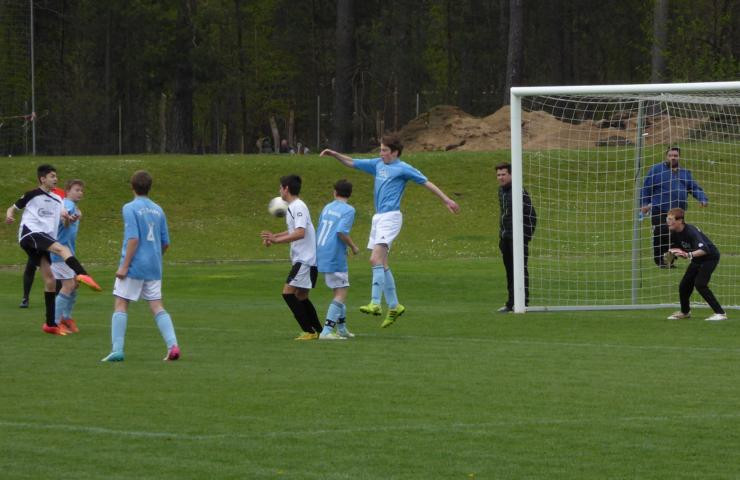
378, 284
390, 290
166, 328
342, 322
334, 312
118, 330
67, 312
60, 305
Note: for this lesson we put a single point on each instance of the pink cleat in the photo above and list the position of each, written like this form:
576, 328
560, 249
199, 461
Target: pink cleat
172, 354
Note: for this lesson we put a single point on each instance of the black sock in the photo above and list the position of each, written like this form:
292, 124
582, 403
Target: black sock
295, 306
75, 265
28, 275
312, 318
50, 299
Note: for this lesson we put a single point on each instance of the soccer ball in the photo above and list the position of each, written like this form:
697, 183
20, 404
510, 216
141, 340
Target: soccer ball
277, 207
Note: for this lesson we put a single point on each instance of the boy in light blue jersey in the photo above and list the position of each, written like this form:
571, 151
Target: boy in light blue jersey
332, 240
139, 275
67, 236
391, 175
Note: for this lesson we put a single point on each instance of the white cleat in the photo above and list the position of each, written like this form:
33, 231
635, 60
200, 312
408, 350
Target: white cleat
345, 333
331, 336
679, 316
717, 317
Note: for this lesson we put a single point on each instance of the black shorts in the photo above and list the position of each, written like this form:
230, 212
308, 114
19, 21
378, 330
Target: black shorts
37, 245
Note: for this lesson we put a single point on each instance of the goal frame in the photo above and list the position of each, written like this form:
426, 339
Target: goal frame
516, 95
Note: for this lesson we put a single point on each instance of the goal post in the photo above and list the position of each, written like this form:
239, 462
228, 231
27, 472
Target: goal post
582, 153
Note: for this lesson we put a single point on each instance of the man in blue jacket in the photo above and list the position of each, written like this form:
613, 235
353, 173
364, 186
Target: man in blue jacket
667, 186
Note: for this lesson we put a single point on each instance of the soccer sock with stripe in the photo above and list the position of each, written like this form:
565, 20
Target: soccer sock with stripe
75, 265
61, 305
166, 328
297, 308
50, 301
390, 290
118, 330
333, 314
378, 284
342, 322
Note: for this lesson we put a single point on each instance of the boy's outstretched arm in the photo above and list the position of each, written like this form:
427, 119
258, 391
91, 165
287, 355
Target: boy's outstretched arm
451, 205
343, 159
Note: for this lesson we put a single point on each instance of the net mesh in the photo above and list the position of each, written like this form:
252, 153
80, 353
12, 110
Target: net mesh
15, 74
584, 162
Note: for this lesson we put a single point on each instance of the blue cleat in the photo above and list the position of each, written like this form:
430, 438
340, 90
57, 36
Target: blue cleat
113, 357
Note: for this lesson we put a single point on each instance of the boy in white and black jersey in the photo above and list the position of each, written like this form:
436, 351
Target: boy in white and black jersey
302, 238
42, 211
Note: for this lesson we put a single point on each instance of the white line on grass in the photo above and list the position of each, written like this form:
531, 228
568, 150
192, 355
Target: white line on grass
488, 340
559, 344
472, 428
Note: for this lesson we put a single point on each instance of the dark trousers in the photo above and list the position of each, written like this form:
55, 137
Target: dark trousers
697, 276
661, 237
506, 245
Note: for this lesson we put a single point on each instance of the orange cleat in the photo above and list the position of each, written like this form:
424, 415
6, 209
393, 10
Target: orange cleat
70, 324
53, 330
89, 281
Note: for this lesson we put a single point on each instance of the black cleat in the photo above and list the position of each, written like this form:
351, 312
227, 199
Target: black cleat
24, 303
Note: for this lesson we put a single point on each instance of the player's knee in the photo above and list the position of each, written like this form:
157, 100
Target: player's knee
702, 285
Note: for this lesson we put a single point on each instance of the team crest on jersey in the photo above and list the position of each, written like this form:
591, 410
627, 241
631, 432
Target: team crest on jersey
299, 214
44, 213
383, 173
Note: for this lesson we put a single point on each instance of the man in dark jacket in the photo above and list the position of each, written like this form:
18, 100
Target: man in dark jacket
506, 236
667, 186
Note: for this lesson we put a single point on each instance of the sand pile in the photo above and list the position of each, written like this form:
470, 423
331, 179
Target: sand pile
449, 128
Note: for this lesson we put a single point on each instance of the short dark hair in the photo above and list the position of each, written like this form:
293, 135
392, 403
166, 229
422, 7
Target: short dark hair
677, 213
71, 183
293, 182
343, 188
392, 141
504, 165
44, 170
141, 182
673, 148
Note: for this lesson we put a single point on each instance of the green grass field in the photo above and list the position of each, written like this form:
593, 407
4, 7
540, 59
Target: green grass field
452, 390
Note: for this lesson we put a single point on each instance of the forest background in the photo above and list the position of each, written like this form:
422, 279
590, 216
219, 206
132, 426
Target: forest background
231, 76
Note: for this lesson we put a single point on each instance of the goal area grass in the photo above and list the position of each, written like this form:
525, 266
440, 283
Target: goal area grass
452, 390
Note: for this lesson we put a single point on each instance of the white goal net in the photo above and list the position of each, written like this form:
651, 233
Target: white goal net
583, 153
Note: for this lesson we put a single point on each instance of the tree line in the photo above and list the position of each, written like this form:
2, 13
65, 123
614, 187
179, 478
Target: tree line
232, 76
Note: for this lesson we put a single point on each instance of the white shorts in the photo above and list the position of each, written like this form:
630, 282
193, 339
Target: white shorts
302, 276
385, 228
62, 271
336, 279
134, 288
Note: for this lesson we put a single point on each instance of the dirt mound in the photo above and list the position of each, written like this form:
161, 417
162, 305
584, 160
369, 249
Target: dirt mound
449, 128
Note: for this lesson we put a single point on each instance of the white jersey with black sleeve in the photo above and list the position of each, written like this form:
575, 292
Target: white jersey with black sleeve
303, 250
41, 213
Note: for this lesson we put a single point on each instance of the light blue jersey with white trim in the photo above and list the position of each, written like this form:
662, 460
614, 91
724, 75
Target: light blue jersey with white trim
390, 181
145, 221
331, 252
67, 235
